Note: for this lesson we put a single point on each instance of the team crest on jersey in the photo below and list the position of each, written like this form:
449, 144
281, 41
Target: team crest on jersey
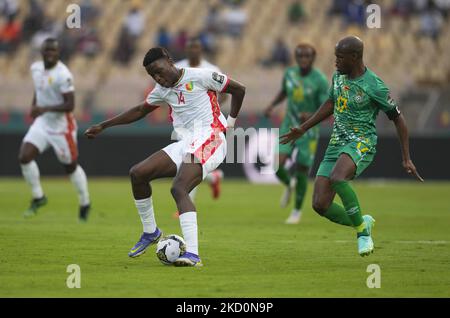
218, 78
189, 86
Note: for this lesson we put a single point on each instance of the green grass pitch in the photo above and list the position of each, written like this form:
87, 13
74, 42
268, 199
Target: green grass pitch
245, 247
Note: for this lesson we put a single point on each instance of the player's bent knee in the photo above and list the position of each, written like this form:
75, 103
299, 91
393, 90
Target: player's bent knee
25, 158
178, 191
320, 206
137, 175
335, 177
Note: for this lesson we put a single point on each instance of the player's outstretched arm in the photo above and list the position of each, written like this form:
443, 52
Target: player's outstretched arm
324, 111
278, 99
237, 91
127, 117
402, 133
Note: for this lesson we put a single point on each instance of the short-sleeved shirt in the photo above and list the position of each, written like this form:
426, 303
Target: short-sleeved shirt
304, 93
193, 103
49, 86
356, 106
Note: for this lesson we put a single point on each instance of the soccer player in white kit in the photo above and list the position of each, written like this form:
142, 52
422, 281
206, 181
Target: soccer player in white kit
191, 95
194, 51
54, 126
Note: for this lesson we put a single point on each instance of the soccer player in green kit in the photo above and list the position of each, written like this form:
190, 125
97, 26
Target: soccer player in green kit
305, 88
356, 95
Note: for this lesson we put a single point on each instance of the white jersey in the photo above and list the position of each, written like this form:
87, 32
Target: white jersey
50, 85
194, 108
203, 64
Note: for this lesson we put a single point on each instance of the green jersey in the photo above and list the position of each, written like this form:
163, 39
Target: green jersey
356, 105
304, 93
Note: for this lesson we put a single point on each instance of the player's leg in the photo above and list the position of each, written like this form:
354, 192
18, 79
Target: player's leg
66, 150
79, 180
283, 174
189, 176
301, 177
158, 165
343, 172
323, 204
33, 144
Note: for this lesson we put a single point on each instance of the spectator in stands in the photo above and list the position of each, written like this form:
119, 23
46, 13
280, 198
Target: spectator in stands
68, 44
235, 20
125, 49
89, 43
431, 21
9, 8
338, 7
163, 38
213, 20
355, 13
279, 55
34, 20
135, 22
403, 8
443, 6
208, 40
296, 12
178, 45
89, 11
10, 35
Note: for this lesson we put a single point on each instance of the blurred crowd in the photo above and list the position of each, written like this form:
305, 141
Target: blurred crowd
227, 18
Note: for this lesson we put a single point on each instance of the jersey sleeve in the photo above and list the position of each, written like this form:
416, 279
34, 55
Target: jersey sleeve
214, 80
383, 100
283, 82
323, 91
154, 97
66, 83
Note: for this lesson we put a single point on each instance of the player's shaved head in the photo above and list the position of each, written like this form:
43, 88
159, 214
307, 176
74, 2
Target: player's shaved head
349, 56
351, 44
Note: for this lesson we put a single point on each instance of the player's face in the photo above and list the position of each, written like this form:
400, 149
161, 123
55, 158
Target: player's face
304, 57
163, 72
194, 50
344, 61
50, 53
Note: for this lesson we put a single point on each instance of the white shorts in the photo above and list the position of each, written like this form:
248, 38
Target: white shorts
210, 149
64, 144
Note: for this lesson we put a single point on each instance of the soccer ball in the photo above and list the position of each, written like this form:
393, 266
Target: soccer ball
169, 248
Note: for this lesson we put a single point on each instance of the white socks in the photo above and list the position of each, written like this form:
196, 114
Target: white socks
188, 223
30, 172
192, 193
79, 180
145, 209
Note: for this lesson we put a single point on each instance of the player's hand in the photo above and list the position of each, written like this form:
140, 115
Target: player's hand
411, 169
292, 136
93, 131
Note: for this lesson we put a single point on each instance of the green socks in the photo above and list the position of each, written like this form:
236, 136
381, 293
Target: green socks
283, 175
337, 214
300, 189
351, 205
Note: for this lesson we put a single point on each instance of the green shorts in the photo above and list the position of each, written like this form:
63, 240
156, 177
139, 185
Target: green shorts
361, 154
304, 148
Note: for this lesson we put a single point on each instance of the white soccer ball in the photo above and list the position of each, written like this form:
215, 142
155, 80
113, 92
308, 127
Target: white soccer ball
169, 248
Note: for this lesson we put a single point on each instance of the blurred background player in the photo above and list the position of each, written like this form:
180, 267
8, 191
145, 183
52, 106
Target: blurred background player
305, 88
54, 126
194, 54
356, 95
201, 146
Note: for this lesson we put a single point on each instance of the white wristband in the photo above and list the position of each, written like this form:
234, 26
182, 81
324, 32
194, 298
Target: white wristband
230, 122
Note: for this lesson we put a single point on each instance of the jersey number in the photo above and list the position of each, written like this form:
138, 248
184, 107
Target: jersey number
181, 98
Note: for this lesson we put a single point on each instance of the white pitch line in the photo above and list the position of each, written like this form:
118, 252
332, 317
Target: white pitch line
404, 242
